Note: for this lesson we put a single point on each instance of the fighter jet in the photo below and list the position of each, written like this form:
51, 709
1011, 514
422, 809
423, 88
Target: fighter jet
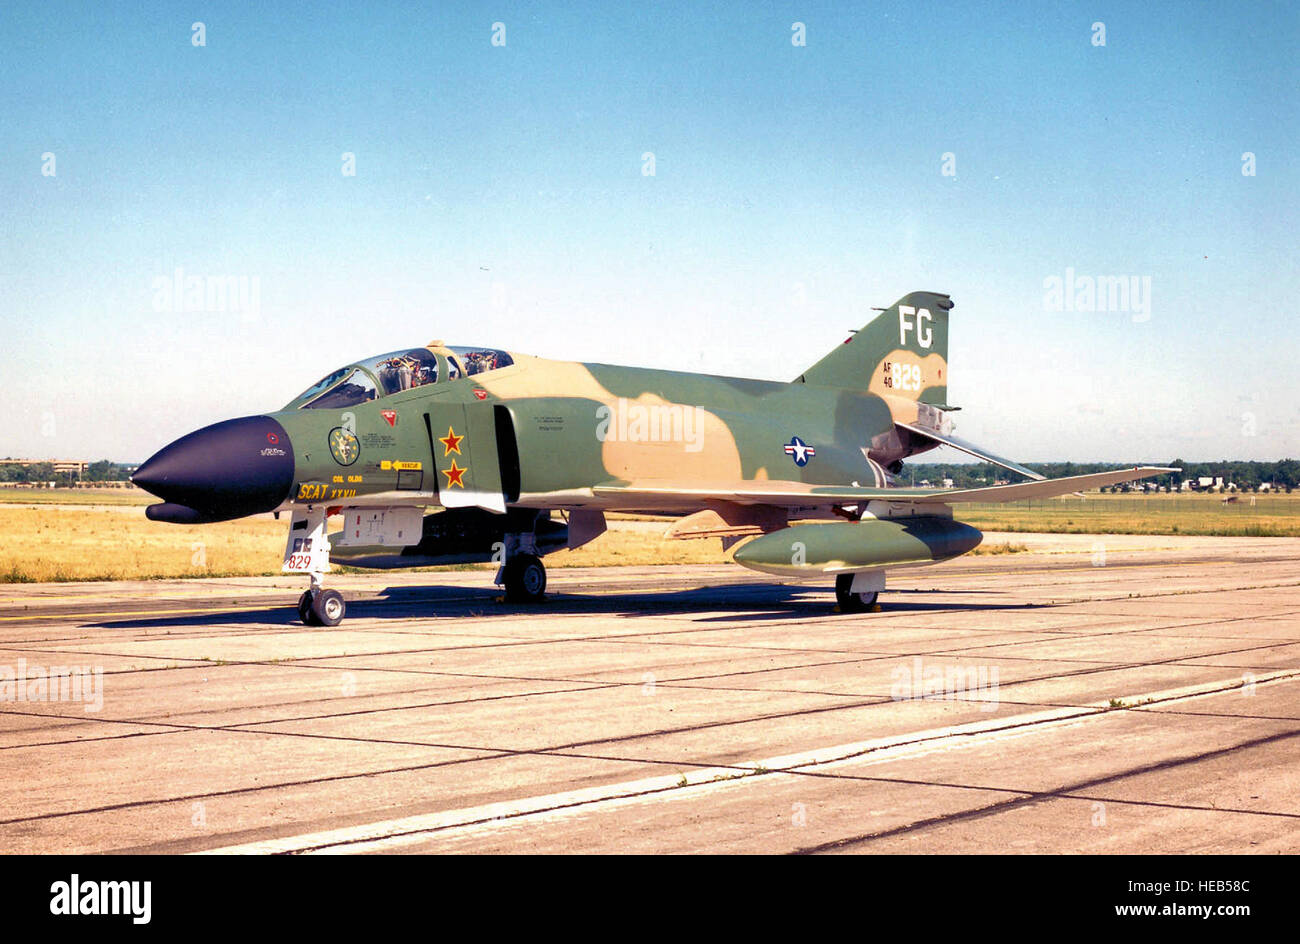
447, 454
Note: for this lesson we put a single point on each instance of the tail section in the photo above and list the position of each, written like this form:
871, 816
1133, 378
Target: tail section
902, 353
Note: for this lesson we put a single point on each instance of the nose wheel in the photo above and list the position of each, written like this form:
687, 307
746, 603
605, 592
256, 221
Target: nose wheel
321, 608
308, 552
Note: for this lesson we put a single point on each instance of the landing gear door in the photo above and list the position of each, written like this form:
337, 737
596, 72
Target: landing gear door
465, 454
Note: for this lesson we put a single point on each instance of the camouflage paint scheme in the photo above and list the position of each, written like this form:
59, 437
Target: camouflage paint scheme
509, 445
844, 406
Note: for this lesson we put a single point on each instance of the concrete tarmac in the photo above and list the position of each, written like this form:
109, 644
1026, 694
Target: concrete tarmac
1088, 694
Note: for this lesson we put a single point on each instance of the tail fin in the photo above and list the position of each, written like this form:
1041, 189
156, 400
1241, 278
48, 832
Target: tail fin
903, 353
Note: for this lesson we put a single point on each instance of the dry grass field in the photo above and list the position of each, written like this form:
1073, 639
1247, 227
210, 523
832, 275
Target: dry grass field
119, 543
70, 542
67, 534
75, 496
1259, 516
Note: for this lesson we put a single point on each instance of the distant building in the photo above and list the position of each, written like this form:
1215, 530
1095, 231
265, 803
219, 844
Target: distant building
61, 466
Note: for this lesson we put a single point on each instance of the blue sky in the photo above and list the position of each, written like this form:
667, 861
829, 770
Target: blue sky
499, 198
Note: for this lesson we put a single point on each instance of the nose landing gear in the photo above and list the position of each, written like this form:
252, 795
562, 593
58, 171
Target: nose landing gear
308, 551
321, 608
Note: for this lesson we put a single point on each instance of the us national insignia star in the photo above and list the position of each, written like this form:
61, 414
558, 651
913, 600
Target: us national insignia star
455, 474
800, 451
451, 442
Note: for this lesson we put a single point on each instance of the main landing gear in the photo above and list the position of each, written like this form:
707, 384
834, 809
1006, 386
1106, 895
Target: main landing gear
522, 572
858, 592
525, 579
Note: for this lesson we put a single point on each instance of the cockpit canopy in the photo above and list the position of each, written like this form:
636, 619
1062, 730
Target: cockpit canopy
392, 373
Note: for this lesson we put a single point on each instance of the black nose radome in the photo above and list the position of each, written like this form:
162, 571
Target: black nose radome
227, 470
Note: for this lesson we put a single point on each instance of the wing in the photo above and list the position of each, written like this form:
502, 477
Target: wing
801, 495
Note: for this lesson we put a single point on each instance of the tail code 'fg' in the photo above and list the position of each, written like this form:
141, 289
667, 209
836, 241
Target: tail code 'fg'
902, 353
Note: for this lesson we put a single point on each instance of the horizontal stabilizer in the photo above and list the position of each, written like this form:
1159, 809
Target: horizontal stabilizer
970, 449
1049, 488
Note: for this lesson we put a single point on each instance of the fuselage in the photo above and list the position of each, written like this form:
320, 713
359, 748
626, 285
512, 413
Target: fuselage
540, 433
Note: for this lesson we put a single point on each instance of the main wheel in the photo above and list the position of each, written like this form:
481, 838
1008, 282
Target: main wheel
849, 601
525, 579
328, 608
304, 610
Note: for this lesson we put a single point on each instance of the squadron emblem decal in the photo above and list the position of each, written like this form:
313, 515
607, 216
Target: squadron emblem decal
800, 451
390, 416
344, 446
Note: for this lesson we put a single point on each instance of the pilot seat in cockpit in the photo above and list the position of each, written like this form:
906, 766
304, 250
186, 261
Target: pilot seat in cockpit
413, 368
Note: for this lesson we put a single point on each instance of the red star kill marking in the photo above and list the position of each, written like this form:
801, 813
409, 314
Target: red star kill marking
451, 443
390, 416
455, 475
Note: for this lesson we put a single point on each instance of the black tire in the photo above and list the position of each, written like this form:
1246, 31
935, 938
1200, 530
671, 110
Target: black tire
304, 610
328, 608
525, 579
849, 601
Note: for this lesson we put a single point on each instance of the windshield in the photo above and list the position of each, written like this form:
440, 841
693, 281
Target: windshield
355, 387
320, 386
